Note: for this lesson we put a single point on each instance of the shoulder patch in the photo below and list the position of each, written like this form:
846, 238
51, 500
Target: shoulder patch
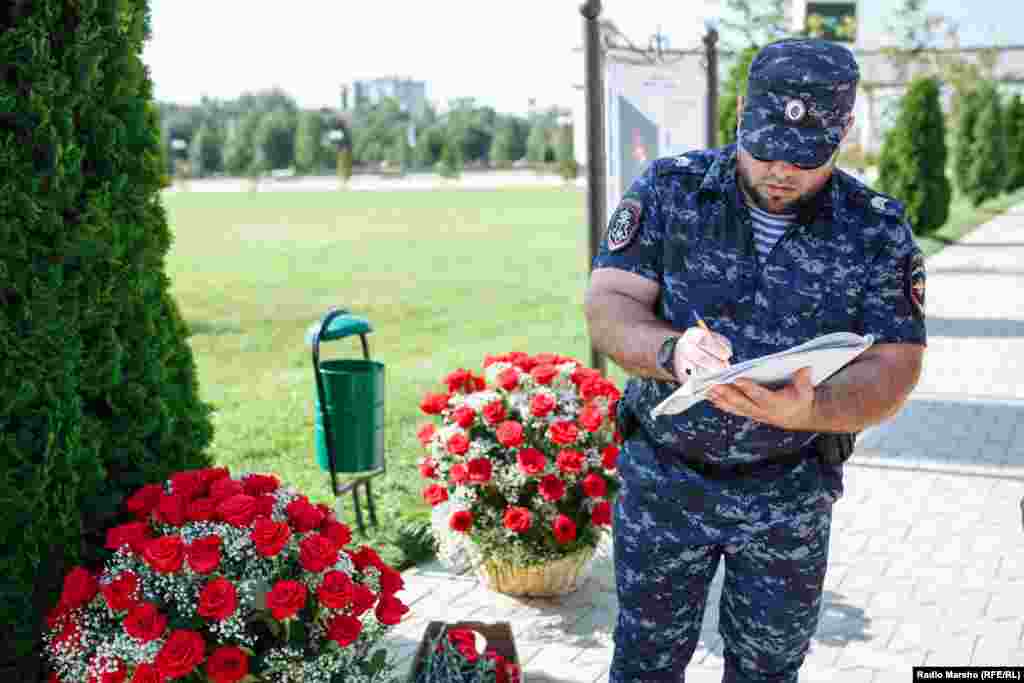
914, 284
885, 205
624, 224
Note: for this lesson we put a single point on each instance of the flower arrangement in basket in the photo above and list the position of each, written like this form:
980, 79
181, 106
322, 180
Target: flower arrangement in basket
525, 456
221, 579
454, 655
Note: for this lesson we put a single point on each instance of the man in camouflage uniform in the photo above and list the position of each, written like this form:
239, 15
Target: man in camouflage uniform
751, 474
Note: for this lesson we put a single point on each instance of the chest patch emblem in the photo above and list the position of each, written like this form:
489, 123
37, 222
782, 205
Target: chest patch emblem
915, 284
624, 225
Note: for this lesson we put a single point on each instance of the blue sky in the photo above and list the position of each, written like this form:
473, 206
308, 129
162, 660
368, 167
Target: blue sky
504, 57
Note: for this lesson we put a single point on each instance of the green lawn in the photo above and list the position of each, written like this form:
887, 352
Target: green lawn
444, 277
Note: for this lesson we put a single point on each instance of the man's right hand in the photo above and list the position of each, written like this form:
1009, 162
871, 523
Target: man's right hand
700, 350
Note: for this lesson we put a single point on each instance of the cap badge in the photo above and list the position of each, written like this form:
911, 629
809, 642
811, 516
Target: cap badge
879, 203
795, 111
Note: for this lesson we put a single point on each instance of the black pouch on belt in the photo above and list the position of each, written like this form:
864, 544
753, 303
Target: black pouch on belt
835, 449
627, 422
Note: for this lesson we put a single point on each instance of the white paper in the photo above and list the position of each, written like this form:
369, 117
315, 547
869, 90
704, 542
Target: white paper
825, 355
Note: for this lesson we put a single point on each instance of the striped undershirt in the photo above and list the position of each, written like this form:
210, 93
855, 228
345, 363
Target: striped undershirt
768, 228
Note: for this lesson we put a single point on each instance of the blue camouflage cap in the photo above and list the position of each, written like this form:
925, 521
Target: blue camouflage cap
800, 95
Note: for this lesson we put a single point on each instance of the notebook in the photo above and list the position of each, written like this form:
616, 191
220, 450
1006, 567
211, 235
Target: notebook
825, 355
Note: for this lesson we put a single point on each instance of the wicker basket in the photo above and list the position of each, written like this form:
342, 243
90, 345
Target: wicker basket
557, 577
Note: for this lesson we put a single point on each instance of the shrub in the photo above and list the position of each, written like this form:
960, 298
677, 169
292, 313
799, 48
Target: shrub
912, 166
98, 390
987, 171
1015, 142
734, 86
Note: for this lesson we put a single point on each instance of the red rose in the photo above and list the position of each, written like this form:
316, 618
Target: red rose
458, 380
135, 535
617, 436
461, 520
265, 505
257, 485
286, 598
239, 510
203, 554
601, 515
592, 388
609, 456
494, 412
188, 484
425, 433
145, 622
591, 418
222, 489
70, 635
145, 500
480, 470
552, 488
570, 461
563, 433
181, 654
544, 373
365, 557
428, 469
435, 494
564, 528
147, 673
362, 599
227, 664
79, 588
582, 374
120, 593
531, 461
202, 510
165, 554
172, 509
458, 444
303, 515
464, 642
510, 434
541, 404
339, 533
208, 475
508, 379
390, 609
491, 360
434, 404
218, 600
118, 675
464, 416
458, 473
391, 580
317, 553
523, 361
269, 537
518, 519
344, 629
594, 485
336, 590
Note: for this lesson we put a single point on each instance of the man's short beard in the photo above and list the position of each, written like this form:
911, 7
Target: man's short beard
751, 192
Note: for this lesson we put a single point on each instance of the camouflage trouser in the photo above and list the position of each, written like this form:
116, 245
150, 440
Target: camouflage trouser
667, 551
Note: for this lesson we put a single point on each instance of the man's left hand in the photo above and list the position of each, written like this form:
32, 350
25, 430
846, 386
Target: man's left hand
790, 407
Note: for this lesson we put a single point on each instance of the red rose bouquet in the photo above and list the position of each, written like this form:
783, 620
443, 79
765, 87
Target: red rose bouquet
220, 579
524, 456
456, 656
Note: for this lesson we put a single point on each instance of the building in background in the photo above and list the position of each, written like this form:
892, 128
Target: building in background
411, 94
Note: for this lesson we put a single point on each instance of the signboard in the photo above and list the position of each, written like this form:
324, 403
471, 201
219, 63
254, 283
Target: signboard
652, 111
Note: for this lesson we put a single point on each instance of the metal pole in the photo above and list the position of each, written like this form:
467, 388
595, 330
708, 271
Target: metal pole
596, 162
711, 59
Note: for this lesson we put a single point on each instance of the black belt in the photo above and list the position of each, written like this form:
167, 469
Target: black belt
741, 470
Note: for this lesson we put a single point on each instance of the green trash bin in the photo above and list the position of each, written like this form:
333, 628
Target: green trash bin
355, 410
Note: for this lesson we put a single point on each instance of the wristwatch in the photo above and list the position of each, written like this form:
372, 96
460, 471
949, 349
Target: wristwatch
667, 356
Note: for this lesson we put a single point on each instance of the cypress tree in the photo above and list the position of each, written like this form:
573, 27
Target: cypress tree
963, 147
98, 390
912, 166
989, 163
734, 86
1015, 142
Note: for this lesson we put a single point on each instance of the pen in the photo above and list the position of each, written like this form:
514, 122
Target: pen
703, 325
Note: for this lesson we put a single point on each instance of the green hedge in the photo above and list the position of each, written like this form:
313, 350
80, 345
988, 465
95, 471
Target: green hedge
98, 390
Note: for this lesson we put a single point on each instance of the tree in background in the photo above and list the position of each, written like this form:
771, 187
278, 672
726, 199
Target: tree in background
430, 144
450, 165
567, 166
275, 140
989, 166
752, 22
500, 154
205, 154
964, 142
735, 86
1015, 142
98, 385
912, 165
309, 142
537, 147
240, 145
